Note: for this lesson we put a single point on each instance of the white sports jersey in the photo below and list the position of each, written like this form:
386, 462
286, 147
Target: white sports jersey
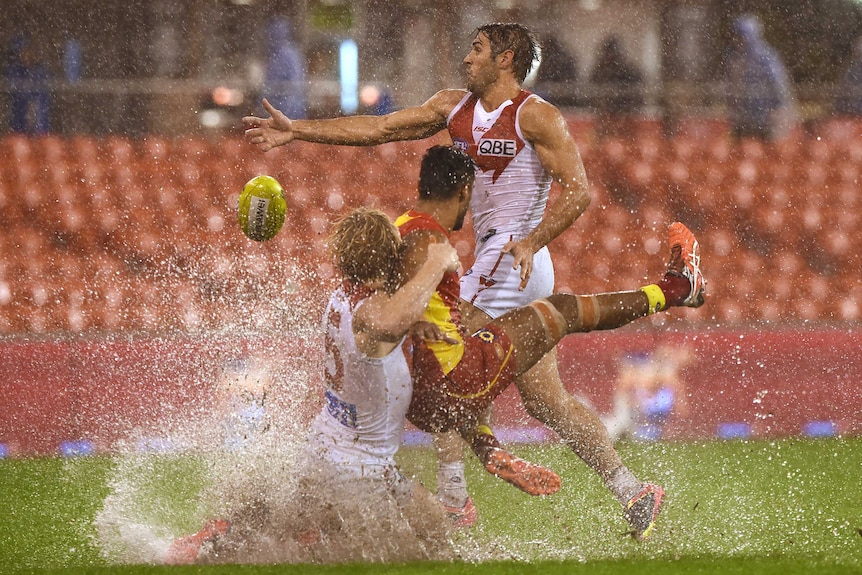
508, 202
366, 400
512, 187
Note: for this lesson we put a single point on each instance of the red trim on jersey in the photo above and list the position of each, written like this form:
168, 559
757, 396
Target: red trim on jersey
461, 130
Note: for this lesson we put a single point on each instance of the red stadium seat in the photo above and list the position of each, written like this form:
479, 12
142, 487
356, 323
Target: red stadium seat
778, 221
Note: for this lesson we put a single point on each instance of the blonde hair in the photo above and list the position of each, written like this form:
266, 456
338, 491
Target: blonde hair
364, 245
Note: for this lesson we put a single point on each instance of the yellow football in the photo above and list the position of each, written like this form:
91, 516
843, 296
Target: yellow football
261, 208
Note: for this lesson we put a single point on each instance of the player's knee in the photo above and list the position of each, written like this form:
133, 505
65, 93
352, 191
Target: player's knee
552, 321
589, 313
580, 313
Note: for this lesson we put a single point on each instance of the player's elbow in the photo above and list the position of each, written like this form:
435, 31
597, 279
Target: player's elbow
584, 199
387, 130
578, 203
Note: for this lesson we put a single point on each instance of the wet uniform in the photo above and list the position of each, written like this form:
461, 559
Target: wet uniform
359, 428
454, 383
508, 202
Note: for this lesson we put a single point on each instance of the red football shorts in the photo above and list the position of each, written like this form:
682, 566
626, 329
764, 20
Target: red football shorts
449, 401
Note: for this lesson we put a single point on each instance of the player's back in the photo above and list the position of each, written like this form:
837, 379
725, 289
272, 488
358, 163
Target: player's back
366, 399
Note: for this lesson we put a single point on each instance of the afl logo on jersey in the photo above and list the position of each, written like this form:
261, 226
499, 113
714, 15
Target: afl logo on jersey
485, 335
460, 144
494, 147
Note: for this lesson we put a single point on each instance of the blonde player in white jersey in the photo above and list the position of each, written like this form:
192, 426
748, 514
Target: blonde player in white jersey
536, 140
350, 466
368, 386
347, 472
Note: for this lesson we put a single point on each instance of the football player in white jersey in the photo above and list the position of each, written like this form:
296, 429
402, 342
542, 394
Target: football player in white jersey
513, 225
368, 387
349, 459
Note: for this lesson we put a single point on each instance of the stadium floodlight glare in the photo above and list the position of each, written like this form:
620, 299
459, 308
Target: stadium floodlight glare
211, 118
348, 64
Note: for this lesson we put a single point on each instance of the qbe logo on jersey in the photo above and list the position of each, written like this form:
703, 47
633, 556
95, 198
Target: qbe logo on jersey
499, 148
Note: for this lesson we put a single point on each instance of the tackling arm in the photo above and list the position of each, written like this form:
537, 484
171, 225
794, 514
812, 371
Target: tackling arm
383, 319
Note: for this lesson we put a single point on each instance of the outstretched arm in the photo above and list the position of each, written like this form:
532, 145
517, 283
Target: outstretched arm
413, 123
545, 128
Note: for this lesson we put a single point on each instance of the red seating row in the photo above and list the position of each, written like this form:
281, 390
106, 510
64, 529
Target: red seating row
120, 234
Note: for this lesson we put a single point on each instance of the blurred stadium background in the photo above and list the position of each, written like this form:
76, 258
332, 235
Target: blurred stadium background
124, 279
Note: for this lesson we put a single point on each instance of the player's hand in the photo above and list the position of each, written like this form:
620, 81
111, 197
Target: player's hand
430, 332
522, 252
444, 255
268, 133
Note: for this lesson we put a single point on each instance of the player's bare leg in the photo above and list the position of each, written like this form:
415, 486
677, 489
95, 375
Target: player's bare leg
546, 399
536, 329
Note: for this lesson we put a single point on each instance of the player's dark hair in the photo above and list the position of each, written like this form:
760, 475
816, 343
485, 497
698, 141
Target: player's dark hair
445, 171
517, 38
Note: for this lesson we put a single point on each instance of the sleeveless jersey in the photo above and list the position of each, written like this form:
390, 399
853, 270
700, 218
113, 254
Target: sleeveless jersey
454, 383
366, 399
442, 310
512, 187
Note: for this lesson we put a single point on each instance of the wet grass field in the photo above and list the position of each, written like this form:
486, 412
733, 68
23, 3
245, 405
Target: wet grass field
782, 506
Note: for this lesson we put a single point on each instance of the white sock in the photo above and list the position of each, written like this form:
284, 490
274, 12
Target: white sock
623, 484
451, 484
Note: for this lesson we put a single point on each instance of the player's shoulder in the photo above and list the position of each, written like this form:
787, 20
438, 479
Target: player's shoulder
423, 232
539, 115
419, 235
445, 100
536, 106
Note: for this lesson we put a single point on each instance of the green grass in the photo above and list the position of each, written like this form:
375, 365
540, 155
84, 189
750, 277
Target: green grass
784, 507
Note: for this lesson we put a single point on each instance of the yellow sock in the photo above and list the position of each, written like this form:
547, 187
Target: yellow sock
656, 298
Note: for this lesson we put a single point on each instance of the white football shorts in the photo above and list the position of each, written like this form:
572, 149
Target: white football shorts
492, 285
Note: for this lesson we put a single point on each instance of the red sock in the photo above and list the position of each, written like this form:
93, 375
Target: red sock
675, 288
